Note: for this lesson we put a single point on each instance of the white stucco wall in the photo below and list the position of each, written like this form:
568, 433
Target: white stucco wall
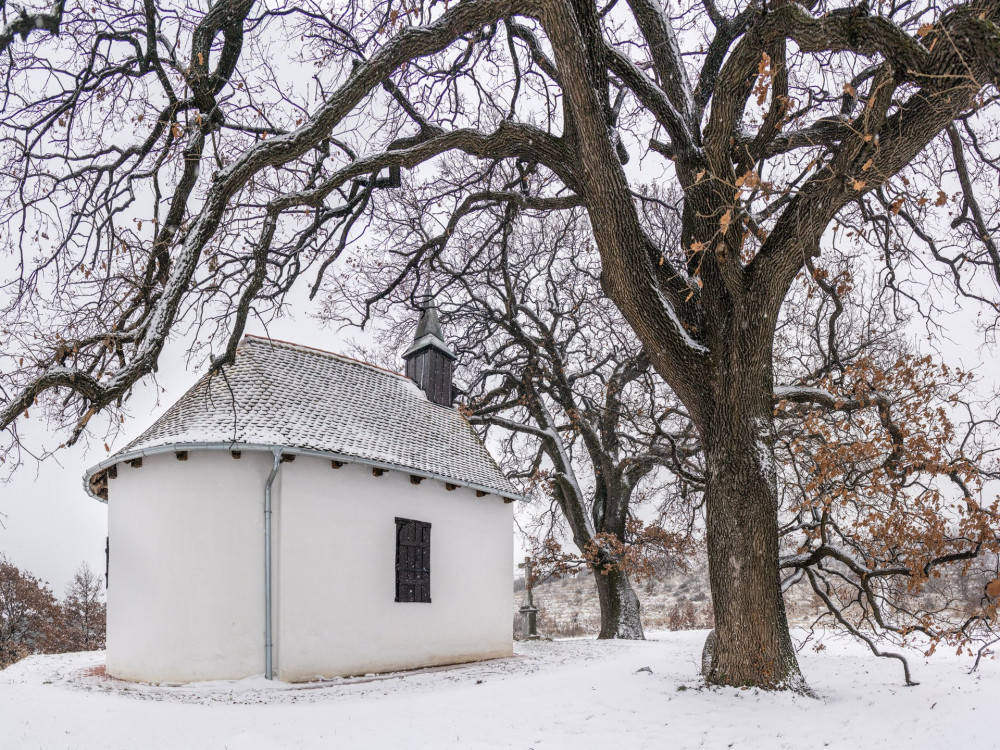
337, 613
185, 593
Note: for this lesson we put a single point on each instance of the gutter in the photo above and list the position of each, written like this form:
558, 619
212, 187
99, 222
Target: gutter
287, 451
268, 635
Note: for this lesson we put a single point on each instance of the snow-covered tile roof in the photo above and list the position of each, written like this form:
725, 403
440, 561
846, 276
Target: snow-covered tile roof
281, 394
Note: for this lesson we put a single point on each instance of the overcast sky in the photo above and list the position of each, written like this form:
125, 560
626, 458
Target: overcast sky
49, 524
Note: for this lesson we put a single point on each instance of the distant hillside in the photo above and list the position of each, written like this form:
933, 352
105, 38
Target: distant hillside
674, 599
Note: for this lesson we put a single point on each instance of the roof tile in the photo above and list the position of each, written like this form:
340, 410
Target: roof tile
292, 396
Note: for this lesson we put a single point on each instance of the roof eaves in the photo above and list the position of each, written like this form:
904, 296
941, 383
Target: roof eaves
231, 446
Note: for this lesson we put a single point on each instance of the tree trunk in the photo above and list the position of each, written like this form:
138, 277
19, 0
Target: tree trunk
619, 606
752, 643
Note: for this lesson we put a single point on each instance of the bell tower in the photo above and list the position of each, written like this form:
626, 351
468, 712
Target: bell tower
429, 361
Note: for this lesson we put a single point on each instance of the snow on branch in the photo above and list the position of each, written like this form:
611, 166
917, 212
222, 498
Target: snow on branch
689, 341
806, 394
24, 23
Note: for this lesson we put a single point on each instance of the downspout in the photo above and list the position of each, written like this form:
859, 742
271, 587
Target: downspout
268, 640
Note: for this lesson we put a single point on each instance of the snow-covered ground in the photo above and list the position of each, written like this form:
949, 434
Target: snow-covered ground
563, 694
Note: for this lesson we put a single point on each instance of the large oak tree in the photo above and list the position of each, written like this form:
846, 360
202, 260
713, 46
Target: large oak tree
165, 165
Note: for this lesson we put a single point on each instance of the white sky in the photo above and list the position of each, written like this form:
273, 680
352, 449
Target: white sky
49, 524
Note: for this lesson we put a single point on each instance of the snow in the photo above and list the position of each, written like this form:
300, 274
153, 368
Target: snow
765, 453
681, 330
558, 694
295, 397
803, 391
566, 464
840, 553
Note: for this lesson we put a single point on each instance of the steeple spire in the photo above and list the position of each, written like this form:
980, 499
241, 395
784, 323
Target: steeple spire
429, 361
429, 323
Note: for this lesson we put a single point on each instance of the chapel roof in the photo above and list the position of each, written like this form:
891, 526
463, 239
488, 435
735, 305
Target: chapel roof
315, 402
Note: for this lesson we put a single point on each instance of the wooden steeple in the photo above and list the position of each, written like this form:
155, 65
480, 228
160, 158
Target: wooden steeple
429, 361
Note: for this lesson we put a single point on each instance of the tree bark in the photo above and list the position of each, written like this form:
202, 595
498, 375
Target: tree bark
619, 606
752, 642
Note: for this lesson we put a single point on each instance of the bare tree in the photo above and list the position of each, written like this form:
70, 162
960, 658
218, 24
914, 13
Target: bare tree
84, 613
555, 375
777, 122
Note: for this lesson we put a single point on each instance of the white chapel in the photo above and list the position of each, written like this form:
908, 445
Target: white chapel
304, 515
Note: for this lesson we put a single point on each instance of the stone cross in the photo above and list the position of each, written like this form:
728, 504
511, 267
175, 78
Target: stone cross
529, 615
526, 566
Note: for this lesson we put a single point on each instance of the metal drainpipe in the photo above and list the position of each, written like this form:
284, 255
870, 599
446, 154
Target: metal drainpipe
268, 644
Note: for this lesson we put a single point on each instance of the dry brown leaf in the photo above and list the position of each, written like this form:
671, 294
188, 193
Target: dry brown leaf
765, 73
